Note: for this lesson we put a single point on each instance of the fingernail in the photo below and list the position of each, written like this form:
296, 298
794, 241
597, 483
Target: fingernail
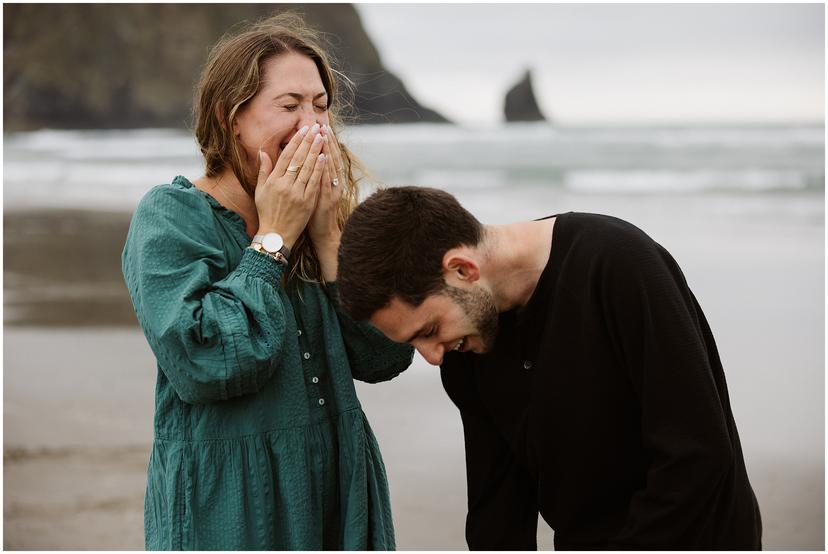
317, 139
315, 128
303, 131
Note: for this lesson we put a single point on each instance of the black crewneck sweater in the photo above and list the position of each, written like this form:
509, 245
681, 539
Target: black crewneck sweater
603, 406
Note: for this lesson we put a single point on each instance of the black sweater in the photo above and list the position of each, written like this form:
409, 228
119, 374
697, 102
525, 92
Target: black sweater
603, 406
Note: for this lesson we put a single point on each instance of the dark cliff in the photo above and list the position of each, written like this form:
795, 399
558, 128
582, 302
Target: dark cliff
520, 103
135, 65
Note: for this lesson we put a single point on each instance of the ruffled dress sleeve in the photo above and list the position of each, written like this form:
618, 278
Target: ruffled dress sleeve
373, 356
216, 330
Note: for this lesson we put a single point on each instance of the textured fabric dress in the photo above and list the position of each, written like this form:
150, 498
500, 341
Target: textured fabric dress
260, 441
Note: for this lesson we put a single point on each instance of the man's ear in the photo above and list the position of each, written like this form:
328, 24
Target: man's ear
460, 264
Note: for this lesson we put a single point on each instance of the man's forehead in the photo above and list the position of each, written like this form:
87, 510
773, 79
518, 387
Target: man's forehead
398, 320
394, 311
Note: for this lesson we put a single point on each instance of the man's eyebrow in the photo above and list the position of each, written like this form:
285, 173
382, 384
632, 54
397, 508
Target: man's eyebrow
300, 96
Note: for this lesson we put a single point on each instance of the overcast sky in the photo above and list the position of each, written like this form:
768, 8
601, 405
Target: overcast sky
610, 63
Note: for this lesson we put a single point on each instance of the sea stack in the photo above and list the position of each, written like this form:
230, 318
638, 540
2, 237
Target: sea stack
520, 104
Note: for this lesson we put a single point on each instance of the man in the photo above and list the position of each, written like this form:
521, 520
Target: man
586, 375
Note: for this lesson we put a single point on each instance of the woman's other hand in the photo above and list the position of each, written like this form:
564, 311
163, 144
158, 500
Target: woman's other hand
287, 193
323, 226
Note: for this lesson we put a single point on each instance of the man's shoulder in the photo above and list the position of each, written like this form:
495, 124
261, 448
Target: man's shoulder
590, 247
601, 226
599, 234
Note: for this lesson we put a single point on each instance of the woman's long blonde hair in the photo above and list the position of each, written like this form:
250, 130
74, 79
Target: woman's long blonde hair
231, 77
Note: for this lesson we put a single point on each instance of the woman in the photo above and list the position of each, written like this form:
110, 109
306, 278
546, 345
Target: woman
260, 441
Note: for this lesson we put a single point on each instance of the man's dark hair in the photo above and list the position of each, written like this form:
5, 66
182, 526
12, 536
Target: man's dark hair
393, 245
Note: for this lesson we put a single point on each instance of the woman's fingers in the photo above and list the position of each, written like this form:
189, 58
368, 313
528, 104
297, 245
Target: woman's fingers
295, 161
335, 152
315, 177
290, 149
265, 166
308, 164
335, 166
325, 181
331, 174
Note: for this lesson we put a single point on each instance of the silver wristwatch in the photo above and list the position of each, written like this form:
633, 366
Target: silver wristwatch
273, 245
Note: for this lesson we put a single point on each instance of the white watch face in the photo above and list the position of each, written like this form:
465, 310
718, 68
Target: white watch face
272, 242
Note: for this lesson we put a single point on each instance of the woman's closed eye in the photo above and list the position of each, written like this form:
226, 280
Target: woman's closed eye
294, 107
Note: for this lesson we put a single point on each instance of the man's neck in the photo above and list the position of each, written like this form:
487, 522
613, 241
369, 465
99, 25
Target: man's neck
517, 254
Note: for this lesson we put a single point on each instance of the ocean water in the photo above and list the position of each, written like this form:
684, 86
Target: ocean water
113, 169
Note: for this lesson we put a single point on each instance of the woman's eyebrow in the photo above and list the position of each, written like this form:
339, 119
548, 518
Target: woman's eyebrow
298, 96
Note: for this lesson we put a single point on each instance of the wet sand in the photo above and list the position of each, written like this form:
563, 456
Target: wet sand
77, 435
79, 382
63, 268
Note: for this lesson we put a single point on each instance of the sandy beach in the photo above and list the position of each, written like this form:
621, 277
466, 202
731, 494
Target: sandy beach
77, 444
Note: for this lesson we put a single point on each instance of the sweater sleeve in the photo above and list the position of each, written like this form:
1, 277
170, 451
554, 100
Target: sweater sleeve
657, 327
502, 497
217, 331
373, 356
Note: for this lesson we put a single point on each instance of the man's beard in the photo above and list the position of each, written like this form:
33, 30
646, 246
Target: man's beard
479, 306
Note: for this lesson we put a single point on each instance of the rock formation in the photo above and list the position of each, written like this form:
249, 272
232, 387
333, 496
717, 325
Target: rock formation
520, 103
135, 65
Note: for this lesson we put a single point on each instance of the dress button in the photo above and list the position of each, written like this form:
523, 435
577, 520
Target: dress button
307, 355
321, 401
299, 332
527, 365
315, 380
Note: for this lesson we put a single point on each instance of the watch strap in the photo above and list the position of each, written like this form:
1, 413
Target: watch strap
278, 256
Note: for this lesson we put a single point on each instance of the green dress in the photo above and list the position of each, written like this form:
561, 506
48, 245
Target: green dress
259, 439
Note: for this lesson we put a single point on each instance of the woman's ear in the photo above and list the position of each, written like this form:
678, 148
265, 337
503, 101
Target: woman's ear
219, 114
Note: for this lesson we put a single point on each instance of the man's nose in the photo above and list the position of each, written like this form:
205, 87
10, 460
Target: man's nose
433, 353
